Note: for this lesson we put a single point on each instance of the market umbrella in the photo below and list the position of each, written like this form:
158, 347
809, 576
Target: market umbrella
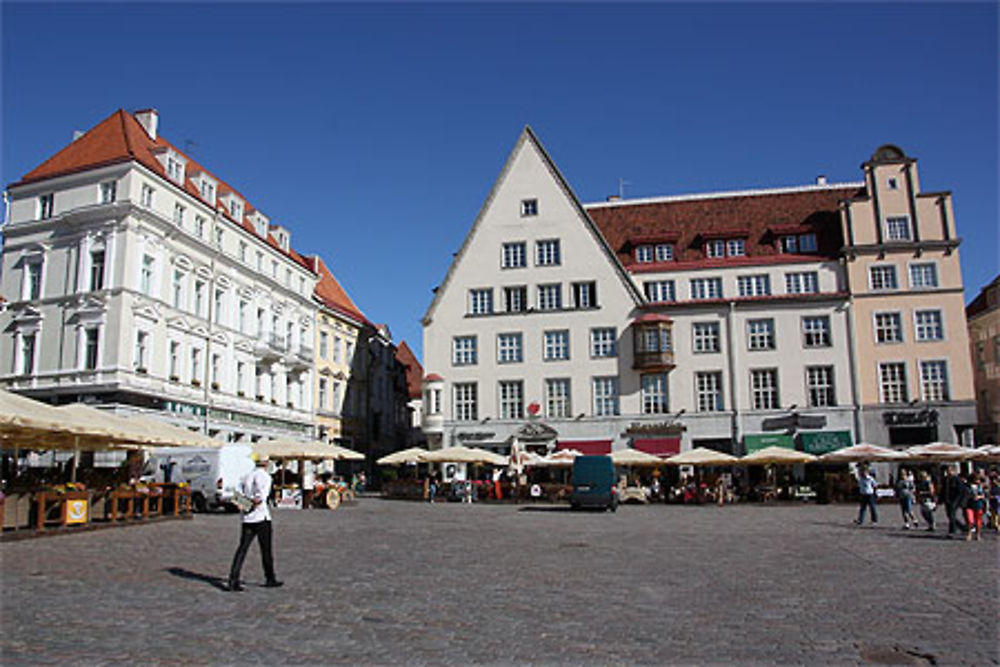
345, 454
404, 456
940, 452
701, 456
863, 452
461, 454
560, 459
164, 434
987, 453
286, 448
776, 455
634, 457
42, 426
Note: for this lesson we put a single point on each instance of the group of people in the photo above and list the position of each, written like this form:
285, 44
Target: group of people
968, 498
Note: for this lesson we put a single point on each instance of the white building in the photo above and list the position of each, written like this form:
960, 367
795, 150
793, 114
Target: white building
139, 279
706, 320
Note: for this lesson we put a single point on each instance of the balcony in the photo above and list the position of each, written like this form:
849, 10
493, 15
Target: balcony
278, 343
653, 338
653, 361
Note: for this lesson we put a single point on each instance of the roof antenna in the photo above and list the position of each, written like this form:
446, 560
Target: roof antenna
621, 187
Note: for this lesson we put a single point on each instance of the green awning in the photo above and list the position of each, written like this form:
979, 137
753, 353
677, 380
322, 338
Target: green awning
757, 441
821, 442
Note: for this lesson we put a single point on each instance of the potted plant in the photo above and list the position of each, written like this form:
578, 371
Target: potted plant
215, 386
195, 382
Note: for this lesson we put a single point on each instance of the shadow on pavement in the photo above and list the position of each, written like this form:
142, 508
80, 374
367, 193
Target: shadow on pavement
546, 508
217, 582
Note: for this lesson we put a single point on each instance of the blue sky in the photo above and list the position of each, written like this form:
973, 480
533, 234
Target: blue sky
374, 132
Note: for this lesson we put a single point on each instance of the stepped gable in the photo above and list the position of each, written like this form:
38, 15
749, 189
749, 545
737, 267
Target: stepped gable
414, 371
121, 138
330, 292
757, 217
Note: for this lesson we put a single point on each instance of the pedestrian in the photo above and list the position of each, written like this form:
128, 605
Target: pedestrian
866, 488
256, 524
975, 503
925, 498
432, 486
905, 493
993, 496
952, 495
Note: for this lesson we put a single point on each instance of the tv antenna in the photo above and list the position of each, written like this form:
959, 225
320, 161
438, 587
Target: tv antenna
621, 187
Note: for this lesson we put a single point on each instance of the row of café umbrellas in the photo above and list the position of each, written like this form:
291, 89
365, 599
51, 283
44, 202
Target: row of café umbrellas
700, 456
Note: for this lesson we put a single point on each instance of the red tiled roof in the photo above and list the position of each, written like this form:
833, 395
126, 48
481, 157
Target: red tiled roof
121, 138
696, 218
434, 377
331, 294
414, 371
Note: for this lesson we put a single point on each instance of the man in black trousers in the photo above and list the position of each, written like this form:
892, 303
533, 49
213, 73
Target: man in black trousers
952, 496
256, 523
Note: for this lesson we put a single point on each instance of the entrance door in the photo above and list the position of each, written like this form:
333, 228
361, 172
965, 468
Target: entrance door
908, 436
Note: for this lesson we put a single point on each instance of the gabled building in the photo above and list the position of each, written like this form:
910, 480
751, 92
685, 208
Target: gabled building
721, 320
141, 280
984, 340
414, 389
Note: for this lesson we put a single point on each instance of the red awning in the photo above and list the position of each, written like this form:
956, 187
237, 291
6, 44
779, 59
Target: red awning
589, 447
658, 446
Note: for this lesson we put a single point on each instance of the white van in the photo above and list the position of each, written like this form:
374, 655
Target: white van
213, 474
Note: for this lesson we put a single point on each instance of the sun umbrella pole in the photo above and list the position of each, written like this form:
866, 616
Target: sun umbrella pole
76, 458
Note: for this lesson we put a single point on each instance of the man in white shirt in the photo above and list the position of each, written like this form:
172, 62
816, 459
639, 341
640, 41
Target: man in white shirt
256, 523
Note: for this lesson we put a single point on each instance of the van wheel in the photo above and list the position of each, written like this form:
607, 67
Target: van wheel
200, 505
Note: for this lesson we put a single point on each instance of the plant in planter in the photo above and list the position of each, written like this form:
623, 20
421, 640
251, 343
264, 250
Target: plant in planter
141, 370
241, 393
260, 397
215, 386
174, 378
196, 383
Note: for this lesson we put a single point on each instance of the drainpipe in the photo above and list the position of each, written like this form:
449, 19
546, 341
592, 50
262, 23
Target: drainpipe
853, 361
730, 345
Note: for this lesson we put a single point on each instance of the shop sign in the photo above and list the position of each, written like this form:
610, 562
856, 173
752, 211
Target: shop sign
926, 417
822, 442
761, 441
793, 421
185, 408
668, 428
76, 511
475, 436
535, 431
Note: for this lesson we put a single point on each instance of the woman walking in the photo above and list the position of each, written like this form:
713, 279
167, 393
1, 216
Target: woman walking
905, 490
925, 497
974, 507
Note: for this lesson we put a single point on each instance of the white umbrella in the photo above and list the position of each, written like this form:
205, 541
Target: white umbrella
461, 454
701, 456
562, 458
940, 452
411, 455
776, 455
863, 452
634, 457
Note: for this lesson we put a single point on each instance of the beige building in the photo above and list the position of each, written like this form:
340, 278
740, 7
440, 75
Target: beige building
984, 337
912, 373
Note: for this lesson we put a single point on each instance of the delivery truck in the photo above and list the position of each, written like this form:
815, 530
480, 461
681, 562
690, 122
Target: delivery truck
214, 475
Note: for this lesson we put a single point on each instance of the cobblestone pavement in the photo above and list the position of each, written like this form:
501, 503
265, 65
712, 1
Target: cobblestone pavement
391, 582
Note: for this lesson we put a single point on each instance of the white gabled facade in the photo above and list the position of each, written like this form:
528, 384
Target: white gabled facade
534, 311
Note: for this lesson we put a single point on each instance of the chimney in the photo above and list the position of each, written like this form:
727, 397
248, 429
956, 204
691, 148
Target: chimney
614, 198
821, 180
149, 119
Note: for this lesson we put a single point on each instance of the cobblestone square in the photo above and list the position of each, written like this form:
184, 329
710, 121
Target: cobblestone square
388, 582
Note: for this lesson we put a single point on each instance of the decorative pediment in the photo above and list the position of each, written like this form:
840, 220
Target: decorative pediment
147, 311
200, 330
223, 282
182, 262
535, 432
220, 337
245, 292
179, 323
244, 346
26, 314
203, 272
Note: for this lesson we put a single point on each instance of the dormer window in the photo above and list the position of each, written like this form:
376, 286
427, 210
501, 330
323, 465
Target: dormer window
715, 249
175, 170
236, 209
664, 252
207, 189
797, 243
644, 254
735, 248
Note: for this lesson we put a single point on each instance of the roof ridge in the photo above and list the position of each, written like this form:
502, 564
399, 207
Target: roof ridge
128, 141
727, 194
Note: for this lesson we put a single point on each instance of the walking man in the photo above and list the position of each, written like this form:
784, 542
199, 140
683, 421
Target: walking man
866, 487
256, 523
952, 495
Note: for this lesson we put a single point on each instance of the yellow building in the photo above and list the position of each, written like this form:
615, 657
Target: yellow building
912, 377
984, 336
339, 323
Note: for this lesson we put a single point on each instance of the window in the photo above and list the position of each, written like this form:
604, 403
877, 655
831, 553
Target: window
177, 288
208, 191
511, 399
603, 342
788, 244
653, 339
654, 394
644, 254
33, 281
481, 301
807, 243
706, 337
888, 328
892, 382
929, 325
801, 243
605, 396
219, 235
199, 297
934, 380
337, 396
760, 334
260, 262
28, 353
819, 386
337, 340
175, 170
883, 277
659, 290
550, 297
464, 351
529, 207
806, 282
45, 206
756, 285
175, 361
274, 269
195, 365
146, 196
816, 331
892, 184
706, 288
199, 226
243, 316
509, 348
764, 389
557, 405
109, 190
243, 251
664, 252
515, 299
556, 345
216, 370
179, 215
736, 248
897, 228
923, 276
547, 253
146, 276
218, 309
585, 295
96, 270
236, 210
466, 408
708, 390
90, 347
715, 249
324, 398
324, 344
513, 255
141, 345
